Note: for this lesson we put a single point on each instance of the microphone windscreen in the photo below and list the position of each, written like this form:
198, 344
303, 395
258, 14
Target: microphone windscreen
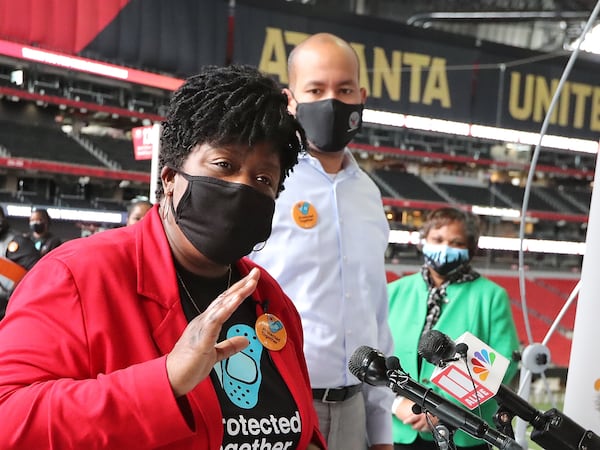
359, 361
368, 365
435, 346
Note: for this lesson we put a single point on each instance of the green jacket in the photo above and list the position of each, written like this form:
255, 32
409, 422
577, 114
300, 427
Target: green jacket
480, 307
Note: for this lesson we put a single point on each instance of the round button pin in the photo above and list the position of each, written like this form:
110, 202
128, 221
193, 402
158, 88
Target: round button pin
304, 214
270, 331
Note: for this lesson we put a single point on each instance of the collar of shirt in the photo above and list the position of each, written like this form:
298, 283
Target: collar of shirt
349, 165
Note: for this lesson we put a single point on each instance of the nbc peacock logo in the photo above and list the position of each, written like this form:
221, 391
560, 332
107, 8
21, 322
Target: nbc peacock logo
482, 362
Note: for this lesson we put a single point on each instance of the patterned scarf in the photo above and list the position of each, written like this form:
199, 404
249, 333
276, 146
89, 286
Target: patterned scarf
437, 295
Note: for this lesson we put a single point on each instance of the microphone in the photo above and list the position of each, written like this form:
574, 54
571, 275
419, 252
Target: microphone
552, 429
435, 341
370, 366
439, 349
454, 373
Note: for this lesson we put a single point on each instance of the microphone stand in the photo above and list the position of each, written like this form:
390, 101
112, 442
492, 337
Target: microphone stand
371, 367
449, 414
552, 430
444, 436
503, 421
442, 433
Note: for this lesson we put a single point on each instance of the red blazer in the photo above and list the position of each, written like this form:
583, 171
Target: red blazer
83, 345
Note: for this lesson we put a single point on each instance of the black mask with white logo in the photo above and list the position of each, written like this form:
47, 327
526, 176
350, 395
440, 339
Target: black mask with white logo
330, 124
223, 220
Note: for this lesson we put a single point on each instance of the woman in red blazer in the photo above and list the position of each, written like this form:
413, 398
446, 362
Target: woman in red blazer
161, 335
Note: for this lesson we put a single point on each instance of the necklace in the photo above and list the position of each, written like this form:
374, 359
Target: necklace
187, 292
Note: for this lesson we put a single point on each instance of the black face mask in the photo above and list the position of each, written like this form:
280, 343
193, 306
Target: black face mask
329, 124
223, 220
37, 227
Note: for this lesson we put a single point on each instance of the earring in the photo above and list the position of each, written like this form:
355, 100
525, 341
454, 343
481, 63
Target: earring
165, 209
259, 246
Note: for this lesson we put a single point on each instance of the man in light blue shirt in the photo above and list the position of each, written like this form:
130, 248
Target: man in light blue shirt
327, 246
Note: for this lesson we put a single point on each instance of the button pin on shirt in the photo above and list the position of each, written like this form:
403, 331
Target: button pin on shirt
270, 331
304, 214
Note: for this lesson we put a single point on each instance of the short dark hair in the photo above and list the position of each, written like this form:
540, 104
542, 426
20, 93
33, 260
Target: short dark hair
43, 212
443, 216
229, 105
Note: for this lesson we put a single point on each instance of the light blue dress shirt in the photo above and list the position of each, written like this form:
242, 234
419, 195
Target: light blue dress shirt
334, 272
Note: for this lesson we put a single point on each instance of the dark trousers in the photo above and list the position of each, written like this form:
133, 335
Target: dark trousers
422, 444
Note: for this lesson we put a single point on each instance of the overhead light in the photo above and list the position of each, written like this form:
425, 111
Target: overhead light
17, 77
591, 41
479, 131
496, 212
73, 215
502, 243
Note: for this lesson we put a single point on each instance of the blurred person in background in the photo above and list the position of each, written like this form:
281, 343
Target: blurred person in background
161, 335
328, 244
17, 255
137, 210
39, 225
447, 295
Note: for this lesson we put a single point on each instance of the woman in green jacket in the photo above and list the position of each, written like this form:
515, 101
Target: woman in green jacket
449, 296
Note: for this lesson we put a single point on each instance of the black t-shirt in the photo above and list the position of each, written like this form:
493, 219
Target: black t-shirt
46, 243
19, 249
258, 409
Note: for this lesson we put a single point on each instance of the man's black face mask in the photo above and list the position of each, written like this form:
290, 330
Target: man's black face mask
223, 220
330, 124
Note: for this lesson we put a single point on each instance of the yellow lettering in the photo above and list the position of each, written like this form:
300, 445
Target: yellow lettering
436, 87
273, 59
529, 95
542, 98
520, 111
581, 92
294, 38
384, 73
565, 104
595, 111
537, 95
416, 61
363, 74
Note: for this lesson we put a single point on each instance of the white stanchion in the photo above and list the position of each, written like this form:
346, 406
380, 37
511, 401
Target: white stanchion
582, 398
156, 129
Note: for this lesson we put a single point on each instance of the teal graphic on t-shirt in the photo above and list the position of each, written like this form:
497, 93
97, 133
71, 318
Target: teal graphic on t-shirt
240, 375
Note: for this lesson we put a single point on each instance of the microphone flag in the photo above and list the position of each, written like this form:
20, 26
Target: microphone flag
486, 366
